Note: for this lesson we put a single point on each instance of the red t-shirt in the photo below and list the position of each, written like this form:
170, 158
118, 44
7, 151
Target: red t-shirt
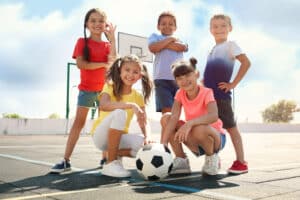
92, 80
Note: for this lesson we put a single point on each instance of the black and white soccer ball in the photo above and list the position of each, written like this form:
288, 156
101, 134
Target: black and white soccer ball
154, 161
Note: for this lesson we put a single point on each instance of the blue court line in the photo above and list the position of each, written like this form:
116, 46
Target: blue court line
166, 185
175, 187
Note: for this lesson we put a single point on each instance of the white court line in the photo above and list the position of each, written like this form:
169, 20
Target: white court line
276, 167
203, 193
34, 161
38, 146
220, 196
52, 194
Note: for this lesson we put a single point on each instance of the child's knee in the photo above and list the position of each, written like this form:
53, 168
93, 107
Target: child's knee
119, 113
164, 119
119, 118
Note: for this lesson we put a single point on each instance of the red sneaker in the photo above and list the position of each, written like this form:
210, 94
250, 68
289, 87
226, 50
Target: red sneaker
238, 167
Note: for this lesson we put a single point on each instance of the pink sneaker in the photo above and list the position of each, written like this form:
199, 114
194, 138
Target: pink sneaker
238, 168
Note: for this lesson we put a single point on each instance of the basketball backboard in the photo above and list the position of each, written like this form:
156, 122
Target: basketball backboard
134, 44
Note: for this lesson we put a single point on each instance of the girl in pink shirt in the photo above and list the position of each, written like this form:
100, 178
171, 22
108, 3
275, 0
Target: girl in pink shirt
202, 130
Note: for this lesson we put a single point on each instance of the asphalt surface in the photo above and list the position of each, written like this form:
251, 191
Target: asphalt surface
25, 162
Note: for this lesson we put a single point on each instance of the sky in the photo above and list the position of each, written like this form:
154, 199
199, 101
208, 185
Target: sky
38, 39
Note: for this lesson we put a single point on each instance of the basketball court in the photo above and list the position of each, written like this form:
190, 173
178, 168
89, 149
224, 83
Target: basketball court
26, 160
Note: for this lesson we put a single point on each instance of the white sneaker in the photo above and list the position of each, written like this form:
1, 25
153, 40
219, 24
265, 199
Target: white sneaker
181, 166
212, 164
115, 169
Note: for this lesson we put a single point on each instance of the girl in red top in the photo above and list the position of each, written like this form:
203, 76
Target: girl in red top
93, 57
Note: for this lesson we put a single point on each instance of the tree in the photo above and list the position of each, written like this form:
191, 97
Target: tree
11, 115
54, 116
280, 112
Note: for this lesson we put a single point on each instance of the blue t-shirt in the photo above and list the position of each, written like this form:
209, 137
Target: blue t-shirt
164, 59
219, 67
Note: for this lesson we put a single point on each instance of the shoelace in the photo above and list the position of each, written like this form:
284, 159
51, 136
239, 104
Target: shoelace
208, 160
235, 164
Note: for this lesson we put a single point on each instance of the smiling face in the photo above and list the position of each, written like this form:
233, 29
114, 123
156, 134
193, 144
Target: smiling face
96, 23
167, 25
130, 73
188, 82
220, 29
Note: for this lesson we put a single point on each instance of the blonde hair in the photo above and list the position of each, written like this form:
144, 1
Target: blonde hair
166, 14
222, 16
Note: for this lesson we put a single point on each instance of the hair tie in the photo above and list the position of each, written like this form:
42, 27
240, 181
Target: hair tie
119, 62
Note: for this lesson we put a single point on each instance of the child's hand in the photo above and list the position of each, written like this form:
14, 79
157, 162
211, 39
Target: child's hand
136, 109
110, 32
174, 39
148, 140
182, 133
226, 87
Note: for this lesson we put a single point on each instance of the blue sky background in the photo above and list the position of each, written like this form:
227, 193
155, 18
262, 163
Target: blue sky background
38, 38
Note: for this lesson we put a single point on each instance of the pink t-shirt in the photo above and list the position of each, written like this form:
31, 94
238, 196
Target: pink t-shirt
198, 106
92, 80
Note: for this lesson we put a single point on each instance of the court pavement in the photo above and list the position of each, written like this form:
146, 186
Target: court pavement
273, 158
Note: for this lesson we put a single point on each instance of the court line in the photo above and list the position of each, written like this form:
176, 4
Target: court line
34, 161
38, 146
195, 191
52, 194
199, 192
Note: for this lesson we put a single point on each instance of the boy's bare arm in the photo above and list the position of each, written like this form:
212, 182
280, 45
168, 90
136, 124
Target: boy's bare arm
160, 45
177, 46
245, 64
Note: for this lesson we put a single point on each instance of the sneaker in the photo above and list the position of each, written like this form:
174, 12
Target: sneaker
181, 166
102, 162
212, 164
63, 166
238, 167
115, 169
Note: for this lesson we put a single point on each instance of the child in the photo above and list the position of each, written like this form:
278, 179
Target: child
217, 75
93, 57
167, 49
119, 101
201, 131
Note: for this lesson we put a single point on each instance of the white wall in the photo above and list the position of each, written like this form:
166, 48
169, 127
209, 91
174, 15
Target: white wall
62, 126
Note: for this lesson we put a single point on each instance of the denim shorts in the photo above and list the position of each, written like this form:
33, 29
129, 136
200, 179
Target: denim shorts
223, 142
226, 113
88, 99
165, 91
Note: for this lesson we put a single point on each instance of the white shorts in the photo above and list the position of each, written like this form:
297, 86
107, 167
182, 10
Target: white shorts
116, 120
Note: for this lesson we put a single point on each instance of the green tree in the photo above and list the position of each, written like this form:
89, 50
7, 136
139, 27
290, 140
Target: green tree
280, 112
11, 115
54, 116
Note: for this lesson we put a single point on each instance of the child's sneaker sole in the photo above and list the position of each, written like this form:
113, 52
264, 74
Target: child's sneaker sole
230, 171
54, 171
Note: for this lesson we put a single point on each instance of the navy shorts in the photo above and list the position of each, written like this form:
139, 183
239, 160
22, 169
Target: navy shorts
226, 113
88, 99
223, 142
165, 91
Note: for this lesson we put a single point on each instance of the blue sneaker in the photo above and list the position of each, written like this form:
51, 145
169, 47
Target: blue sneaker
63, 166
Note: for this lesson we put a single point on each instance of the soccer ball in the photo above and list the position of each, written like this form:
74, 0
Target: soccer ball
154, 161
